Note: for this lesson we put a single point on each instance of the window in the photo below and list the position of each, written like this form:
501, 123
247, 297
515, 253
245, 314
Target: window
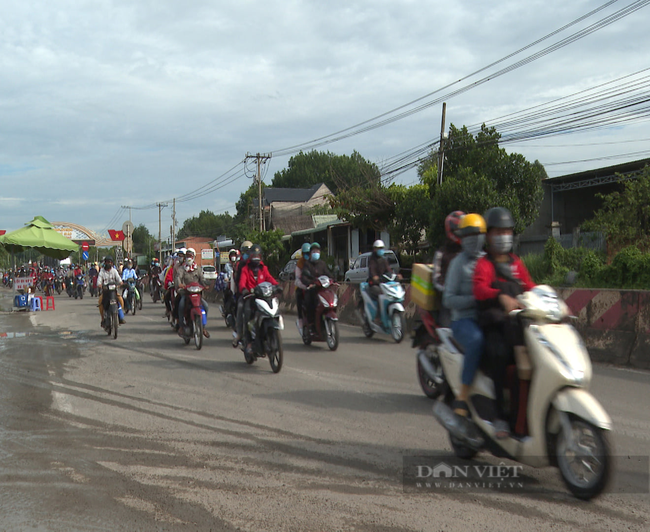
364, 262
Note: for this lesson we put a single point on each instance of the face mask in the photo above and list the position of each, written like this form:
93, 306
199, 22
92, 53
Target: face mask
108, 266
189, 261
473, 244
306, 256
380, 252
233, 259
315, 256
255, 264
245, 256
501, 244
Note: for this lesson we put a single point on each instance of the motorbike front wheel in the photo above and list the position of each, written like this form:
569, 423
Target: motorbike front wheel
198, 332
140, 303
133, 304
115, 322
429, 386
275, 351
584, 462
461, 450
398, 326
332, 331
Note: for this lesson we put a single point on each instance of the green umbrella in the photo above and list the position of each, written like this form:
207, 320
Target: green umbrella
40, 235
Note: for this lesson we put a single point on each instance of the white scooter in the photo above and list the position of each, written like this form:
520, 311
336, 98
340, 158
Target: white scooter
390, 308
566, 426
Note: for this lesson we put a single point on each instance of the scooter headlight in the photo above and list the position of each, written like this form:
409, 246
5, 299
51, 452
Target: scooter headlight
323, 301
335, 303
575, 375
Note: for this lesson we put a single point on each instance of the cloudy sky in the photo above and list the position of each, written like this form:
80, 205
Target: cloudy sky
105, 103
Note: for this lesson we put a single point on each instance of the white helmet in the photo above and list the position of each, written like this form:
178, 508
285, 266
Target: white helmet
182, 250
190, 250
379, 244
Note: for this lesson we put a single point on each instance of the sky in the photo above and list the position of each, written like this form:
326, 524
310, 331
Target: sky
108, 103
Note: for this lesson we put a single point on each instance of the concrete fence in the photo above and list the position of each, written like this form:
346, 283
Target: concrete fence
615, 324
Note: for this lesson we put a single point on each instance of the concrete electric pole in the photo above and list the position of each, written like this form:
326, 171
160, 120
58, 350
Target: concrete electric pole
441, 151
261, 158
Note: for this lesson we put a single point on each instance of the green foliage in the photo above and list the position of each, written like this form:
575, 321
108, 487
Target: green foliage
478, 174
336, 171
143, 240
625, 215
630, 268
207, 224
246, 211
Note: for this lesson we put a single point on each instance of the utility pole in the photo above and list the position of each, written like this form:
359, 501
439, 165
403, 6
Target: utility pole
174, 224
261, 158
441, 151
160, 208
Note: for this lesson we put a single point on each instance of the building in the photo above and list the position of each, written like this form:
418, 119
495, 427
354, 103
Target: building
572, 199
203, 247
289, 208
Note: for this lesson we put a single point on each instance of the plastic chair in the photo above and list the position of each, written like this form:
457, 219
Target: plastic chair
36, 303
50, 299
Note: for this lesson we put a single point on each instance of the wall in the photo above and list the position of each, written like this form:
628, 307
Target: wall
615, 324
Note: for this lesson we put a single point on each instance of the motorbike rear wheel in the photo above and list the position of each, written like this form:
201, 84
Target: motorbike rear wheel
140, 302
275, 351
332, 331
306, 335
429, 386
461, 450
585, 463
198, 332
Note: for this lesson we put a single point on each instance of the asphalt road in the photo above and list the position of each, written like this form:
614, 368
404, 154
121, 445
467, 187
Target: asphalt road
145, 433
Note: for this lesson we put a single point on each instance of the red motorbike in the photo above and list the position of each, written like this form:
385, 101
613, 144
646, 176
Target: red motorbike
195, 317
326, 327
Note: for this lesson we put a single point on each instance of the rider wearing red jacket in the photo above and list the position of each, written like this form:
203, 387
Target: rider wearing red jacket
499, 277
254, 273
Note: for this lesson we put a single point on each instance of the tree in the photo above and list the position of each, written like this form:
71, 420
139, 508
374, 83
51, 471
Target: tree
336, 171
274, 251
143, 240
478, 174
207, 224
625, 215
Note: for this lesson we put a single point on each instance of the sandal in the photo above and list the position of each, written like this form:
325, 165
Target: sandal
460, 408
501, 429
206, 333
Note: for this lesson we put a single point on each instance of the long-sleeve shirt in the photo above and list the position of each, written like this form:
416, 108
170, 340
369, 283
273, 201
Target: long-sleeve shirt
108, 277
485, 276
377, 266
129, 273
313, 270
248, 280
458, 295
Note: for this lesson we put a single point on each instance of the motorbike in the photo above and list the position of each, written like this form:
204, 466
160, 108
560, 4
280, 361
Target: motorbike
156, 289
139, 285
58, 285
70, 286
195, 317
326, 327
391, 309
557, 421
170, 315
111, 318
263, 328
93, 286
130, 296
79, 287
229, 308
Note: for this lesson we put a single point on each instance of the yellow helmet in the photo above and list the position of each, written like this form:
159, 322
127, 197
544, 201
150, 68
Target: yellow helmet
471, 224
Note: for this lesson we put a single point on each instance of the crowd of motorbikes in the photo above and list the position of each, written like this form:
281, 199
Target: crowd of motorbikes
564, 424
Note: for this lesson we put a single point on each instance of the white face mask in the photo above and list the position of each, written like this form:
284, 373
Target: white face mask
189, 261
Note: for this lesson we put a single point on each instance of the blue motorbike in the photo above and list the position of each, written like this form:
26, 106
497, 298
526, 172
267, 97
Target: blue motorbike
131, 296
390, 306
80, 285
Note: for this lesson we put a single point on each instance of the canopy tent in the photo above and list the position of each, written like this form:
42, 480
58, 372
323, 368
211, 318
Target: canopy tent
40, 235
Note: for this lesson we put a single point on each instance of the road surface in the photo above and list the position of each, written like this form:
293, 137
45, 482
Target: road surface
145, 433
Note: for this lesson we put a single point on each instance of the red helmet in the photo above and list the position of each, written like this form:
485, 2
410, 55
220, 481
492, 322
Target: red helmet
451, 225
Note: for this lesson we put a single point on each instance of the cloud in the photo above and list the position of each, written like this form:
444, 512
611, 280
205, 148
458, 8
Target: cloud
118, 102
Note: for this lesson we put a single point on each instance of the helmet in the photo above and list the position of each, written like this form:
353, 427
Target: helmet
471, 224
305, 248
233, 253
378, 244
108, 258
315, 245
256, 253
499, 217
451, 225
182, 251
190, 250
246, 246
